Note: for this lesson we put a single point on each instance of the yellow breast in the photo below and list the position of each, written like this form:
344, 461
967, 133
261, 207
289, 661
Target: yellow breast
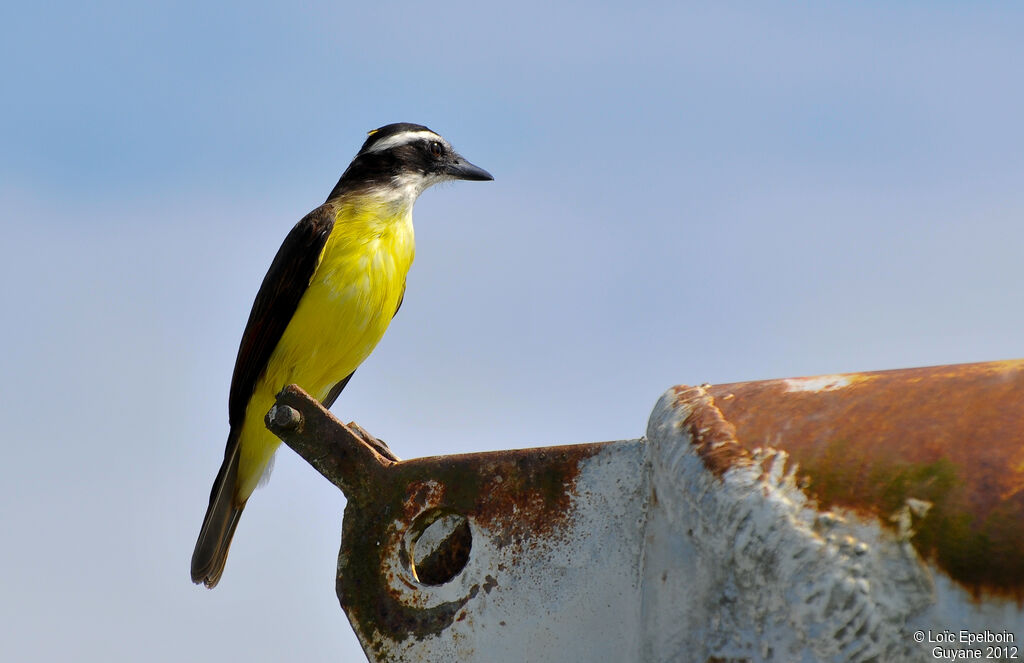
343, 314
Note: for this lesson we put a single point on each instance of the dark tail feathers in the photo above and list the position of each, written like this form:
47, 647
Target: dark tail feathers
219, 525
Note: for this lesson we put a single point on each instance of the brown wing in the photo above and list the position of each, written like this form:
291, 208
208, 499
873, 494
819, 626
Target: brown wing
276, 301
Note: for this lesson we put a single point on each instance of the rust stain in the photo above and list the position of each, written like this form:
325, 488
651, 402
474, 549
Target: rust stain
952, 436
521, 492
520, 498
714, 438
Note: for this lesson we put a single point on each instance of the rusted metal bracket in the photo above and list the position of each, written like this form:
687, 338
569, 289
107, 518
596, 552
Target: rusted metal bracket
423, 538
348, 456
837, 518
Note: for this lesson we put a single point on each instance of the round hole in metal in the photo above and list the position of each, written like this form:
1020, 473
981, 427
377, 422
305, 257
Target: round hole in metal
439, 546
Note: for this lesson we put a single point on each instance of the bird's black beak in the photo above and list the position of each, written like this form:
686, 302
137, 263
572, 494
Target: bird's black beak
461, 169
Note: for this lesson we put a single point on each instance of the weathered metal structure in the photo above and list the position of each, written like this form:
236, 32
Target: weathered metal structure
862, 517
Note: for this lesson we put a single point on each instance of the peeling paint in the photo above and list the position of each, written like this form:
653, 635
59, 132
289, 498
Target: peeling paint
949, 435
743, 563
748, 569
819, 383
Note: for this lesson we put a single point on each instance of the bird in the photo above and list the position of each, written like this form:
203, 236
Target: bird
328, 297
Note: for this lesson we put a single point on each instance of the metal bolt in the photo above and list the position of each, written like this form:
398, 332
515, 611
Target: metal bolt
284, 418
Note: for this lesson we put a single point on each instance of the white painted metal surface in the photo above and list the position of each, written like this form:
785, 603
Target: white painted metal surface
744, 567
570, 594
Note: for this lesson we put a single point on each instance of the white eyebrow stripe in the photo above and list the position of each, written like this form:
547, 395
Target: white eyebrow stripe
402, 139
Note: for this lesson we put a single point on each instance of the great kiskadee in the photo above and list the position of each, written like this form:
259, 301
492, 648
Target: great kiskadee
331, 291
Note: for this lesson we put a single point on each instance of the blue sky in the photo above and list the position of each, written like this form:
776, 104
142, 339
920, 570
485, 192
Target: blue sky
683, 194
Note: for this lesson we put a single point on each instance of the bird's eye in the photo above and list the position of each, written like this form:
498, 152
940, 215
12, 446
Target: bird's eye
436, 149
